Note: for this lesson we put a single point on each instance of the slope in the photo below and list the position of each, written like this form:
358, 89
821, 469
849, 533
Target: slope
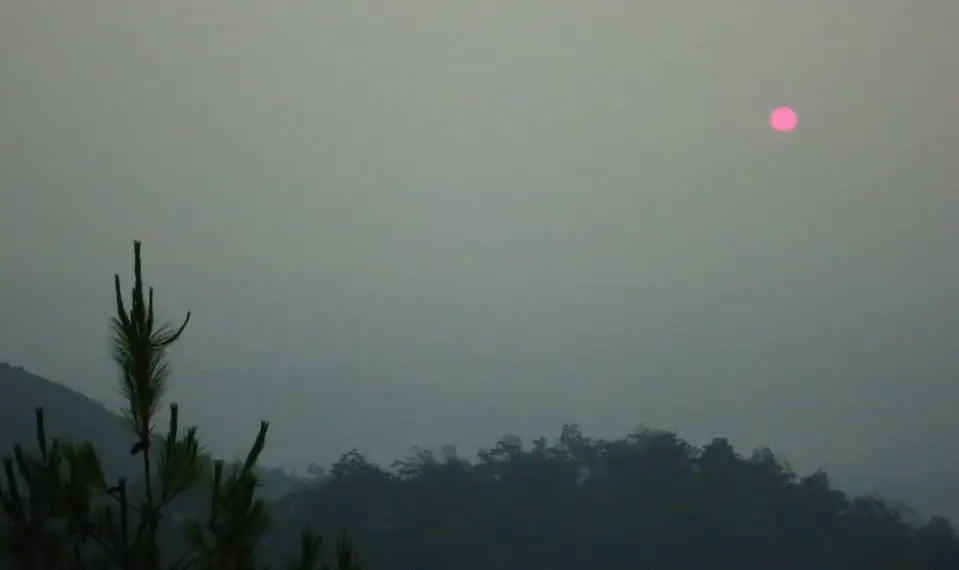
69, 415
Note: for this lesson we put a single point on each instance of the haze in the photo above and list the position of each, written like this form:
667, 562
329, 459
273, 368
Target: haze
439, 222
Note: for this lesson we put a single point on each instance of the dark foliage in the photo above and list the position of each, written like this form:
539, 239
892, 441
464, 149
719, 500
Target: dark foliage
60, 513
649, 500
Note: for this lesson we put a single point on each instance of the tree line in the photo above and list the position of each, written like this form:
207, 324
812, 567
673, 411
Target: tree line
648, 500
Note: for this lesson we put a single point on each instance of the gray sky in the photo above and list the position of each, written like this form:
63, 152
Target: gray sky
432, 222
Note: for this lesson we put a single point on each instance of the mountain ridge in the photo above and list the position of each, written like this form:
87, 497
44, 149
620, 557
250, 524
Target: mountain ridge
69, 415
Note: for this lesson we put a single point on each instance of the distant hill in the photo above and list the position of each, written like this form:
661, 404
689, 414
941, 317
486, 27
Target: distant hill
68, 415
76, 417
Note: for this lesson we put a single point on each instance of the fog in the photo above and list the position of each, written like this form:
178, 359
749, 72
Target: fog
439, 222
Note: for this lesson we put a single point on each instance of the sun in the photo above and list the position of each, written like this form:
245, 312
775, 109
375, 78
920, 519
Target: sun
783, 119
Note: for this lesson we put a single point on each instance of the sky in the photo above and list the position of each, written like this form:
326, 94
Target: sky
440, 222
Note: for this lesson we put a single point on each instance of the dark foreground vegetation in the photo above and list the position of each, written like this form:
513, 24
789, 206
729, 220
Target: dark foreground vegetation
60, 512
648, 501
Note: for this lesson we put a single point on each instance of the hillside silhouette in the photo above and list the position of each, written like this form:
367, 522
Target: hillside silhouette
71, 415
647, 500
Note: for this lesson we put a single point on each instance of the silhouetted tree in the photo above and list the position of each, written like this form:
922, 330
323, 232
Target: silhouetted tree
60, 513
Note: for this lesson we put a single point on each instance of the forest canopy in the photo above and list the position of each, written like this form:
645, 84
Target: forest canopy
647, 500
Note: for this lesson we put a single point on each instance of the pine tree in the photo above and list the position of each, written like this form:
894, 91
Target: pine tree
62, 515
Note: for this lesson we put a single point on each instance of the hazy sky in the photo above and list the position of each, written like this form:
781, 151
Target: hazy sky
438, 222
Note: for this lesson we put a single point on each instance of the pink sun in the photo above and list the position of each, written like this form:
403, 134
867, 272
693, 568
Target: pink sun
783, 120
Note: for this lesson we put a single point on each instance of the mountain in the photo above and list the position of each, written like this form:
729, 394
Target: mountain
68, 415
